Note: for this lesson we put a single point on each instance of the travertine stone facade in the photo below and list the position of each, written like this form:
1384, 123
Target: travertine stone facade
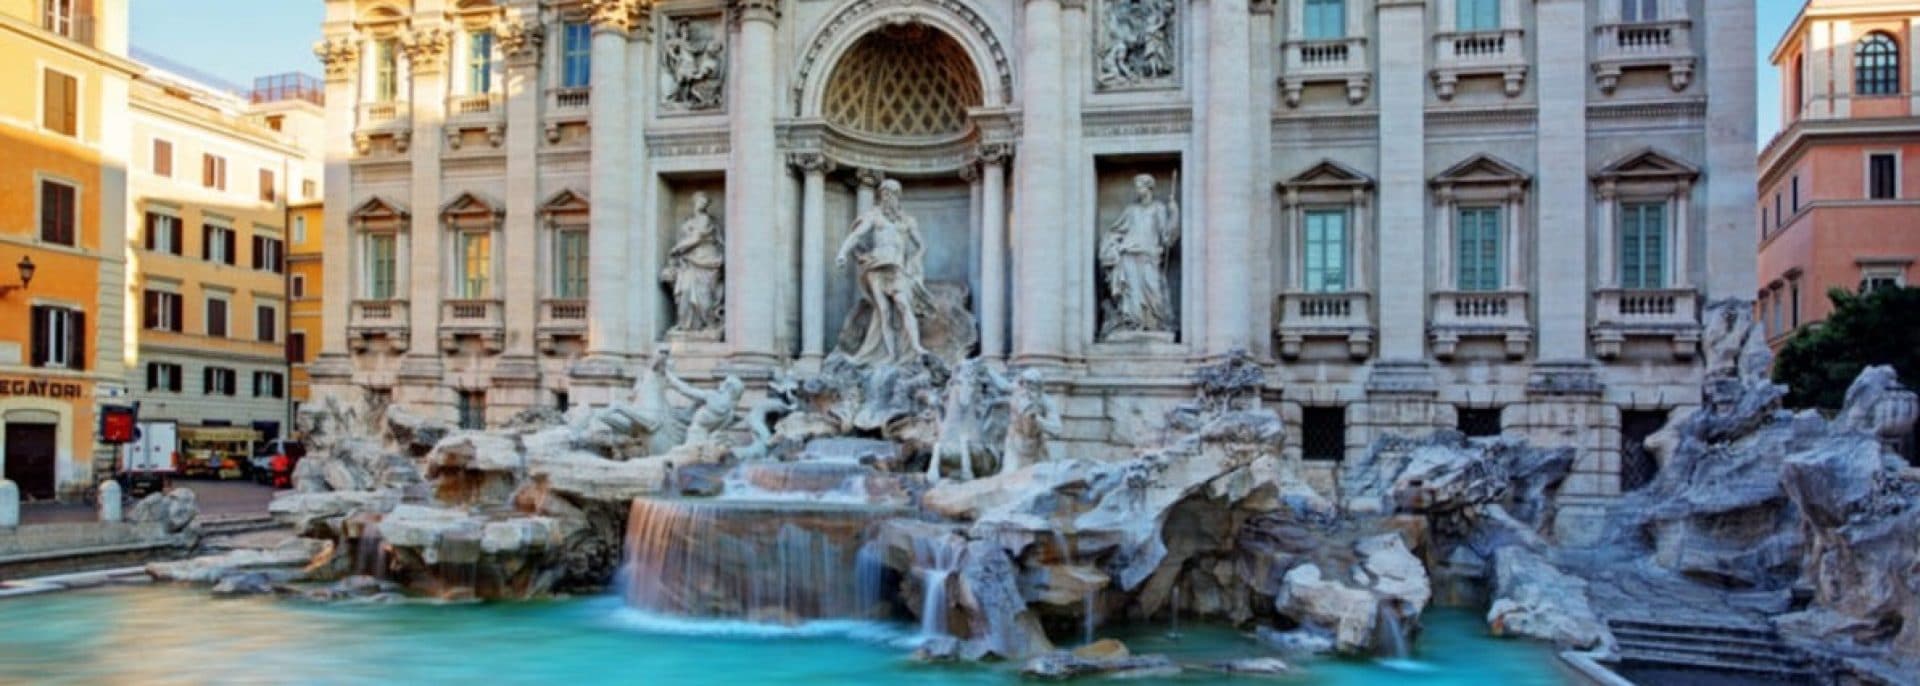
1419, 214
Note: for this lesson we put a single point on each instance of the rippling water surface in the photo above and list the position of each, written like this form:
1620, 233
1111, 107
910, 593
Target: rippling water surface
159, 635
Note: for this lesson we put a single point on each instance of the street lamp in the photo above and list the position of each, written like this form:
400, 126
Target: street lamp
26, 268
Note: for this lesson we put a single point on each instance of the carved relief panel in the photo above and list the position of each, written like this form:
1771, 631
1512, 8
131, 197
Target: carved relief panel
693, 64
1136, 44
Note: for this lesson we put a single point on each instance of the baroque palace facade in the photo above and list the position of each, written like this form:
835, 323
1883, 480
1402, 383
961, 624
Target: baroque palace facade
1492, 215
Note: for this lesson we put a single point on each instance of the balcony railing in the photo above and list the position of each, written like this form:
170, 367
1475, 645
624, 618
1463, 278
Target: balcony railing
1323, 60
1670, 313
377, 115
470, 313
1464, 53
569, 99
380, 313
563, 313
1667, 44
1344, 316
1459, 315
480, 105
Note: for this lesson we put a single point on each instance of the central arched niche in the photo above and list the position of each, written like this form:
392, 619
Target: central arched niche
903, 81
899, 93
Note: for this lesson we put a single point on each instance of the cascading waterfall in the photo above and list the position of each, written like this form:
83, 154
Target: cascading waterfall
1173, 616
1086, 602
937, 561
1394, 637
761, 561
369, 552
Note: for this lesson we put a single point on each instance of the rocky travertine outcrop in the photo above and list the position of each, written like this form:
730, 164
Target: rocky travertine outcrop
173, 510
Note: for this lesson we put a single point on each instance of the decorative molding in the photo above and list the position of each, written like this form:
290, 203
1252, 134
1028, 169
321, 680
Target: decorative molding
857, 11
693, 65
740, 11
520, 40
426, 49
1156, 121
340, 55
811, 162
694, 144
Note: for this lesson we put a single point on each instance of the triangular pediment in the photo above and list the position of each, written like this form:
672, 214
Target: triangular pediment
469, 204
565, 202
1329, 174
378, 209
1647, 163
1481, 168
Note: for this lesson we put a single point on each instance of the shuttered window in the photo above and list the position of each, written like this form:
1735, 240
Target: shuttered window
163, 376
1477, 246
268, 191
269, 254
380, 266
570, 265
1883, 177
1643, 245
1325, 19
162, 158
1326, 251
266, 324
60, 102
163, 233
297, 347
160, 311
213, 172
58, 213
59, 337
1477, 15
216, 317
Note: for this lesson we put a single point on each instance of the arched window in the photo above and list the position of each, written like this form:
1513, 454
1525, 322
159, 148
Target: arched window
1876, 65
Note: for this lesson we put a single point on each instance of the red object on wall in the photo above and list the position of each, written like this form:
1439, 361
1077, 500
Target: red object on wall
117, 424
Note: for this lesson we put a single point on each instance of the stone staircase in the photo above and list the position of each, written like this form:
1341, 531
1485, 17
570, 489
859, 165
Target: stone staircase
1735, 654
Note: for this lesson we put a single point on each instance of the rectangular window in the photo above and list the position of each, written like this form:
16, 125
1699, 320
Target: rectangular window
1793, 304
1326, 251
163, 376
217, 244
216, 317
476, 262
160, 311
473, 410
162, 158
1323, 433
217, 380
386, 71
480, 62
213, 172
269, 255
1779, 216
59, 337
1643, 245
308, 189
1325, 19
577, 55
269, 385
1763, 223
59, 213
1882, 177
1633, 11
1479, 421
1477, 15
60, 103
300, 229
297, 287
1881, 279
570, 265
1795, 189
1477, 243
380, 266
297, 347
163, 233
268, 191
266, 323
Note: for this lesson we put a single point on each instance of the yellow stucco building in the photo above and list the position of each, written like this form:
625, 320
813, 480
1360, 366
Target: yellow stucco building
215, 176
304, 288
63, 210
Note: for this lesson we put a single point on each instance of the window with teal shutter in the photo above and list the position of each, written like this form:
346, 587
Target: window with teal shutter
380, 266
1326, 251
1477, 15
1643, 245
1477, 244
480, 63
1325, 19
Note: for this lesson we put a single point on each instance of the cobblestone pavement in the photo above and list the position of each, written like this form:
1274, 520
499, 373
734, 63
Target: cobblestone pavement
216, 498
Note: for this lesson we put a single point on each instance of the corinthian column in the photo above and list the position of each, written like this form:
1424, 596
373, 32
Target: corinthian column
1224, 181
813, 168
608, 278
1038, 238
332, 371
993, 249
753, 177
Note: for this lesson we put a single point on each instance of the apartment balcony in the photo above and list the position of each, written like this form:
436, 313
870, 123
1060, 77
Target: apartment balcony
383, 119
482, 112
1339, 60
1500, 52
1650, 45
1463, 315
472, 318
1325, 316
1671, 314
567, 107
560, 320
378, 321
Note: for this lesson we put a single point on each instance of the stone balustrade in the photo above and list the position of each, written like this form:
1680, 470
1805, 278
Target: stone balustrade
376, 320
1341, 60
1459, 315
560, 319
1661, 44
1338, 316
1501, 52
482, 318
1668, 313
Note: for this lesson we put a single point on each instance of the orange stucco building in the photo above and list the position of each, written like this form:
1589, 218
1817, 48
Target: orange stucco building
1839, 187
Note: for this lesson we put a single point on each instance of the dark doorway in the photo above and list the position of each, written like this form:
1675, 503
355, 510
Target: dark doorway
1479, 422
31, 452
1637, 466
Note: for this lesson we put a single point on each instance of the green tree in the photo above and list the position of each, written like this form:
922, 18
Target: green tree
1820, 361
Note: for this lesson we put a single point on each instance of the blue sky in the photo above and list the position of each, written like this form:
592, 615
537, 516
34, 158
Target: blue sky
236, 40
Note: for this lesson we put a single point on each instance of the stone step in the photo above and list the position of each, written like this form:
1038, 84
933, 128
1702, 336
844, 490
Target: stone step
1692, 661
1680, 637
1758, 632
1776, 656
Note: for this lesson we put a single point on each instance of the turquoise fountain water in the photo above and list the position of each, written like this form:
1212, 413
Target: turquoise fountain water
167, 635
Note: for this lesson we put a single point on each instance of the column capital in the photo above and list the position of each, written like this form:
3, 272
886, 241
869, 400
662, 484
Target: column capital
741, 11
869, 177
1071, 4
426, 49
339, 54
811, 162
995, 153
616, 16
520, 40
1260, 6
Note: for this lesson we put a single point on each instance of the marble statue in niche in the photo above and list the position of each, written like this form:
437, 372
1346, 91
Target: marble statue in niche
1136, 42
695, 269
899, 319
691, 58
1133, 257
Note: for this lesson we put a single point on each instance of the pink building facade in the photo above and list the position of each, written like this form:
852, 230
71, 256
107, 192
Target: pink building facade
1839, 188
